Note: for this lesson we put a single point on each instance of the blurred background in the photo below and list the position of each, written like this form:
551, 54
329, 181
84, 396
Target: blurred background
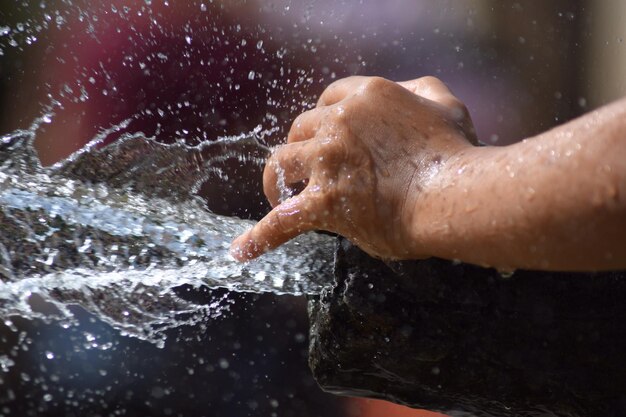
195, 71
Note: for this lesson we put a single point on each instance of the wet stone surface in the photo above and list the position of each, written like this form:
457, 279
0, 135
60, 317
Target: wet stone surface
465, 340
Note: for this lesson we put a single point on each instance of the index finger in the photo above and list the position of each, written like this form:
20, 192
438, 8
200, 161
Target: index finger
283, 223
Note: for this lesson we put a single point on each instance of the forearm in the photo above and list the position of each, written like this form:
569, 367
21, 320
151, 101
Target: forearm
556, 201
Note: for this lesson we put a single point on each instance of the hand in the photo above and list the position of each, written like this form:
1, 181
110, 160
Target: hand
366, 154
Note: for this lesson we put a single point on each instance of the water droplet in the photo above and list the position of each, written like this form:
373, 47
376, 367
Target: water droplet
6, 363
203, 7
49, 355
506, 274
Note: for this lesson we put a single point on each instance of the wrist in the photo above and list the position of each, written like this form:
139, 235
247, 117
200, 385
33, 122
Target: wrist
440, 211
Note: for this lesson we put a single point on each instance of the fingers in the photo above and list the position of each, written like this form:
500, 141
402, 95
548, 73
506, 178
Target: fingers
306, 125
428, 87
339, 90
282, 224
288, 164
433, 89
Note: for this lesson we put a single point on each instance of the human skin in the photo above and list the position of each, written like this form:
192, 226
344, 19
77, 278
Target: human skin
394, 167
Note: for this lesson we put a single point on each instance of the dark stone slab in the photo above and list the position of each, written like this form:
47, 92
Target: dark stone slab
465, 340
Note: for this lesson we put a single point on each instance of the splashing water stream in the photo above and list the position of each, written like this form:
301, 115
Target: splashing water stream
117, 229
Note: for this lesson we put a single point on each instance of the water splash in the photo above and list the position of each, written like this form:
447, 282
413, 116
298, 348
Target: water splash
118, 230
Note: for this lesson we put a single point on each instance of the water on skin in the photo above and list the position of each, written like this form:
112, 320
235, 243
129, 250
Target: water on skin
118, 230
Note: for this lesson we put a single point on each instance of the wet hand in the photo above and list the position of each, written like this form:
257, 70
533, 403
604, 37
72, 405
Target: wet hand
365, 155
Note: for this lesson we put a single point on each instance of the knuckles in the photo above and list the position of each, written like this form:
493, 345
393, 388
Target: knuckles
340, 114
374, 86
428, 81
334, 153
458, 110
